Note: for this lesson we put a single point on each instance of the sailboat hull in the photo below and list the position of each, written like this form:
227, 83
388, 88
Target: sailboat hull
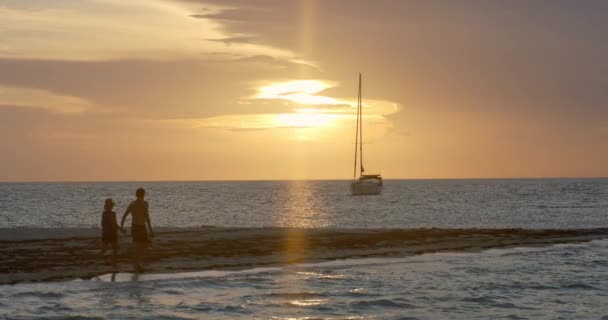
365, 187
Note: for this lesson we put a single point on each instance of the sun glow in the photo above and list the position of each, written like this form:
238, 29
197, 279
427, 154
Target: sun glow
299, 91
308, 113
306, 120
302, 92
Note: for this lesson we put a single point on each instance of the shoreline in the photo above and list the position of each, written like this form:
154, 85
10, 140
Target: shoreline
30, 255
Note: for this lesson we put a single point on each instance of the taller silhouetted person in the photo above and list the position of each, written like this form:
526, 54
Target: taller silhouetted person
140, 217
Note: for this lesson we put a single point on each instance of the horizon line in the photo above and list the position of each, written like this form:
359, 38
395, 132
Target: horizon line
312, 179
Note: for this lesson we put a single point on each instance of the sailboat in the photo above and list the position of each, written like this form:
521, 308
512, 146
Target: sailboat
365, 184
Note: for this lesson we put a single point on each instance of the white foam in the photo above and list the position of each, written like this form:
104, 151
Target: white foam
131, 277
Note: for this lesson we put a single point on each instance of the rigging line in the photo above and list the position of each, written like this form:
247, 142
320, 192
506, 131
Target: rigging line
357, 132
360, 126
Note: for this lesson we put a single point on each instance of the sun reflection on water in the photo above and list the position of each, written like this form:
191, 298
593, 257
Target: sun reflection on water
307, 302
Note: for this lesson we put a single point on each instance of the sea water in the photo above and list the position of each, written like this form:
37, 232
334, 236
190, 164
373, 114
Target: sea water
565, 281
533, 203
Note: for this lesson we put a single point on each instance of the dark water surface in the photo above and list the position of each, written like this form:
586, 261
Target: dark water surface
556, 282
533, 203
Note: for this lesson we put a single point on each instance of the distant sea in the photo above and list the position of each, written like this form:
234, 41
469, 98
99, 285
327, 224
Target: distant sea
563, 281
525, 203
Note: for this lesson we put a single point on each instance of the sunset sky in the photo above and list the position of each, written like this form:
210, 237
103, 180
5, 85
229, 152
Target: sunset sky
243, 89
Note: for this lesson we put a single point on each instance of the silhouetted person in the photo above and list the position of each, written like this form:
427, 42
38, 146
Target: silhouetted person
140, 217
109, 229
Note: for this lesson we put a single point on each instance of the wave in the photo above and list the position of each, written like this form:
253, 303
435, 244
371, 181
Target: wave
130, 277
381, 303
39, 294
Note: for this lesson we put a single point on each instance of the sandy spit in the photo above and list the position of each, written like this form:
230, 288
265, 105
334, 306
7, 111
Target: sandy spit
48, 255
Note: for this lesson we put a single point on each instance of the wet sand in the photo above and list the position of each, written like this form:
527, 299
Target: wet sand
35, 255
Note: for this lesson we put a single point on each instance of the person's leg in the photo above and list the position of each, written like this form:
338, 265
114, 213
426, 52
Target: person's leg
135, 252
103, 249
139, 250
140, 239
114, 253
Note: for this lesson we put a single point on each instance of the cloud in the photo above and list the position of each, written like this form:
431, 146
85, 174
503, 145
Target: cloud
543, 59
306, 97
36, 98
99, 30
235, 39
303, 105
173, 89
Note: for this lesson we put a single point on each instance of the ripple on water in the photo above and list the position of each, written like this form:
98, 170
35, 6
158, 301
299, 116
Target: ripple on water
580, 285
324, 274
55, 307
221, 308
360, 292
169, 317
517, 285
483, 300
70, 317
295, 295
236, 309
38, 294
174, 291
380, 303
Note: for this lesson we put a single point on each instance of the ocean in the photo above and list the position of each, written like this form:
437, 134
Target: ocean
526, 203
557, 281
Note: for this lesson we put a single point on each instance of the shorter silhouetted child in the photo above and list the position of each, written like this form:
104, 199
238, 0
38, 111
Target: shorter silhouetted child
109, 230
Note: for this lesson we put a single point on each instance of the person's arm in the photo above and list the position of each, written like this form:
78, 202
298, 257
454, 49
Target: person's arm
147, 215
124, 216
116, 222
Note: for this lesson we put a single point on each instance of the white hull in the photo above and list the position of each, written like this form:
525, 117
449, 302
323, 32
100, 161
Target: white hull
366, 187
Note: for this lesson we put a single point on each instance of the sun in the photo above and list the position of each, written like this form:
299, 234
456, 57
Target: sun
305, 120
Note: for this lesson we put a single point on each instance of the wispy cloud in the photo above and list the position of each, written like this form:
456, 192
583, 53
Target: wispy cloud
110, 29
307, 98
299, 91
35, 98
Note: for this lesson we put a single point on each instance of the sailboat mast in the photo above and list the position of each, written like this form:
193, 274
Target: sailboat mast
357, 130
360, 117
